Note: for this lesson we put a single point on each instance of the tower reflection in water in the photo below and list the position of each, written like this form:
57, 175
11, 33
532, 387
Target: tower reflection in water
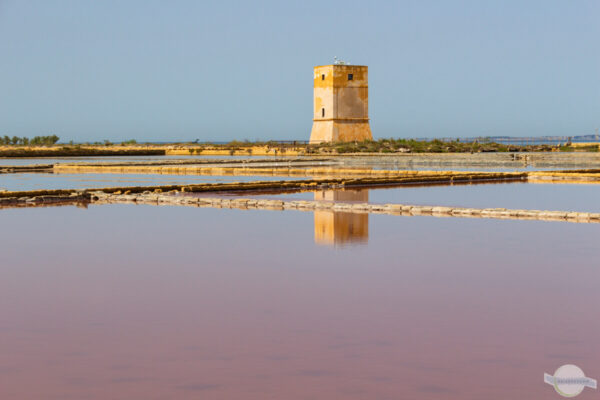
334, 228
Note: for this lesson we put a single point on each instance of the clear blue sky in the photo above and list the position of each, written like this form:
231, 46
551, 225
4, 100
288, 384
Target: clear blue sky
179, 70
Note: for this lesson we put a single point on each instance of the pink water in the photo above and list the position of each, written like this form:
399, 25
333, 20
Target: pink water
142, 302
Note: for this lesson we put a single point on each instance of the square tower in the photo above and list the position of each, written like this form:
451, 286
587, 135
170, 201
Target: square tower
341, 104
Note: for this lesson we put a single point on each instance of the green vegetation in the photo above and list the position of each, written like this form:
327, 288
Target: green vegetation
569, 148
78, 151
385, 146
419, 146
393, 146
25, 141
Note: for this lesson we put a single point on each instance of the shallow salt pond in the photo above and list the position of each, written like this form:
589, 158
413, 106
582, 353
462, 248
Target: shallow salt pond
38, 181
125, 301
380, 164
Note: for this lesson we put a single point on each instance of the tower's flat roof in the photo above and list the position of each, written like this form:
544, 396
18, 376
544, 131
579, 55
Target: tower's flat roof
340, 65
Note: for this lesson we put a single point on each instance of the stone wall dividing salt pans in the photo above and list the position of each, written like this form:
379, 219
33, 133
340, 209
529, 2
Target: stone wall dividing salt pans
311, 205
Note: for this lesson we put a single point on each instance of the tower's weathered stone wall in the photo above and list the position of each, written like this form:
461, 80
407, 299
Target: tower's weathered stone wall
341, 104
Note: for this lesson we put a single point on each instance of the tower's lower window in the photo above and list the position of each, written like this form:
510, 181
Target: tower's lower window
322, 112
350, 77
323, 77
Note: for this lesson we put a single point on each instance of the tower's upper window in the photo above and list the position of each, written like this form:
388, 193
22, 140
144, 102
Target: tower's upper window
350, 77
322, 112
322, 77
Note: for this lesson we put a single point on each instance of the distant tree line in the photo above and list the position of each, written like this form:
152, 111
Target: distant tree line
24, 141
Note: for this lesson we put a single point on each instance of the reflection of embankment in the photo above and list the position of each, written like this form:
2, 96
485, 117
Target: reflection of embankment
339, 228
79, 203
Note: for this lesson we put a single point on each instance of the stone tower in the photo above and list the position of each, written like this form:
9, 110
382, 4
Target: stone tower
341, 104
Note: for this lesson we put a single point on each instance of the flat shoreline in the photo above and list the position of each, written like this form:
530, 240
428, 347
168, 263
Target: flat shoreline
380, 148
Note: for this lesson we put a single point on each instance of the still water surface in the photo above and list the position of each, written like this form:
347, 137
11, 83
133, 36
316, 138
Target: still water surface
380, 163
38, 181
132, 302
